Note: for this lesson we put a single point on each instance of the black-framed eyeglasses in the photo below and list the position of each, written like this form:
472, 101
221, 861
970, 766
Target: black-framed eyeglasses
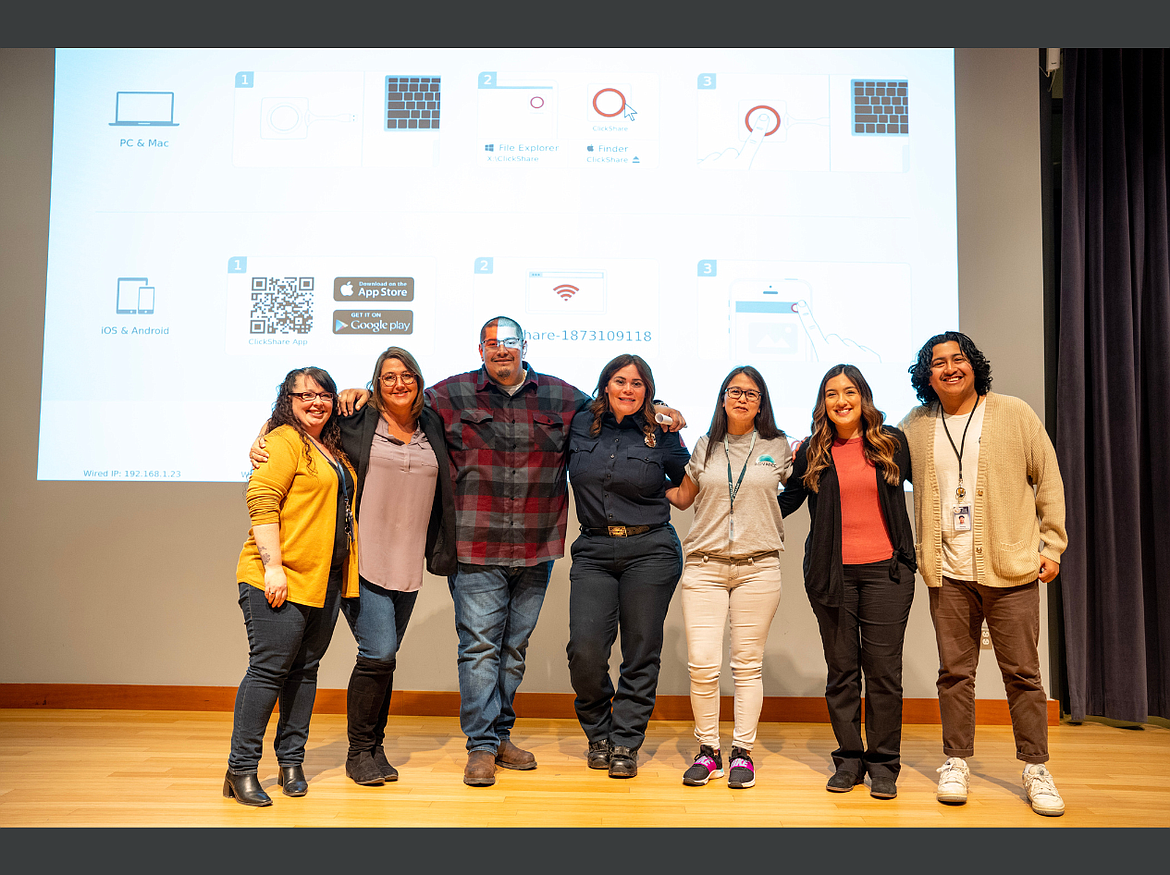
310, 397
735, 393
391, 379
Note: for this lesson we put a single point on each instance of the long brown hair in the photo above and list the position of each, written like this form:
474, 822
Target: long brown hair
408, 362
765, 419
878, 447
600, 405
282, 411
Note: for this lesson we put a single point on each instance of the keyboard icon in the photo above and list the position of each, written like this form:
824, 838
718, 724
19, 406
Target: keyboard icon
412, 103
881, 106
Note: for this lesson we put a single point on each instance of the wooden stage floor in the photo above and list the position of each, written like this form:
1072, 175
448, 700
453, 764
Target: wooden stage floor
165, 769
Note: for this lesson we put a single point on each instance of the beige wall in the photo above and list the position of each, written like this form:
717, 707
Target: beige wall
133, 583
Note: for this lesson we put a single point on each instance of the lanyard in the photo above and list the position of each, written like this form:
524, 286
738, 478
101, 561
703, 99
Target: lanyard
732, 491
340, 472
959, 490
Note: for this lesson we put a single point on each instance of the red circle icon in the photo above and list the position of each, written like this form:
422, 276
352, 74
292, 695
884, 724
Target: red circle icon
537, 102
598, 109
747, 119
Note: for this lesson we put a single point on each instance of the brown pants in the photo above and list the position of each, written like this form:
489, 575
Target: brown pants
958, 609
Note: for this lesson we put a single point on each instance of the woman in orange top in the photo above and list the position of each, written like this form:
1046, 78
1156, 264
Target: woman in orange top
859, 568
298, 561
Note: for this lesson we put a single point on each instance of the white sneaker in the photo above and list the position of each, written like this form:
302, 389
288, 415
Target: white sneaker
952, 781
1042, 792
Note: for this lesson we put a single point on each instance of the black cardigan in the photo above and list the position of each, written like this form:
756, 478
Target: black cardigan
823, 571
357, 436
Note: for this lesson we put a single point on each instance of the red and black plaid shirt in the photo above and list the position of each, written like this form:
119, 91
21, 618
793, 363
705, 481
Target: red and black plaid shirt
508, 455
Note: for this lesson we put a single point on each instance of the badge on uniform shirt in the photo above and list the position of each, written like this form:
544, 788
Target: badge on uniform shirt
962, 518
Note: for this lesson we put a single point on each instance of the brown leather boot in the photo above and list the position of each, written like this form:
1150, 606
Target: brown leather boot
511, 757
481, 769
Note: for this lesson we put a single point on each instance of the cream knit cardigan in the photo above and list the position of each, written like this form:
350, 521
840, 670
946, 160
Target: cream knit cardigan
1018, 500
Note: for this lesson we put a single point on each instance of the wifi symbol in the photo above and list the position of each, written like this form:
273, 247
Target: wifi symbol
566, 291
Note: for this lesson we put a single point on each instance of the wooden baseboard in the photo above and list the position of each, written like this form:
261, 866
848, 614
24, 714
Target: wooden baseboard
423, 703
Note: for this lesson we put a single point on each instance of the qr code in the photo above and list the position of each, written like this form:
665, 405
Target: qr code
282, 305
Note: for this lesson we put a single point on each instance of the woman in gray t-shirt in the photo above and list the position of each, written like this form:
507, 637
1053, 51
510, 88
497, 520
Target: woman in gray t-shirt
732, 565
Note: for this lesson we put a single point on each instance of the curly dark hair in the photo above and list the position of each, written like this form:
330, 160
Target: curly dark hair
920, 370
282, 411
877, 447
765, 421
600, 405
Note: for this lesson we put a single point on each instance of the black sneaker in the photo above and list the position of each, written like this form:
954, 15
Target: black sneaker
623, 762
598, 754
743, 770
708, 764
843, 781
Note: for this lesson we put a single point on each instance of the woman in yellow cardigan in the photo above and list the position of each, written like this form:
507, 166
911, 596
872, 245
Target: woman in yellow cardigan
298, 562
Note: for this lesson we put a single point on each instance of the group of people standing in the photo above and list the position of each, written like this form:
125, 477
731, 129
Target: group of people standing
469, 477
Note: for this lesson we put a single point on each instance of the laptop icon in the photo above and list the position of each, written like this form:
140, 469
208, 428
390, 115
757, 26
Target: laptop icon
145, 108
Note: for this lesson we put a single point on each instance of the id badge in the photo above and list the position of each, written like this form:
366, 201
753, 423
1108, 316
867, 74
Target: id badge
962, 514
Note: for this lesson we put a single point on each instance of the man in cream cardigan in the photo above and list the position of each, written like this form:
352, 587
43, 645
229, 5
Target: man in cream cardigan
989, 525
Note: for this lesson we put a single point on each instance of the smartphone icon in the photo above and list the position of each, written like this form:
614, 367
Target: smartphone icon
764, 321
146, 299
128, 296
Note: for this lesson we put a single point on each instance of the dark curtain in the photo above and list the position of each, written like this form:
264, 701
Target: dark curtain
1113, 383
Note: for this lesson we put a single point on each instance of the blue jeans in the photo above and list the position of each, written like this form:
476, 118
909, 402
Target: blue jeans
496, 609
624, 583
378, 620
285, 646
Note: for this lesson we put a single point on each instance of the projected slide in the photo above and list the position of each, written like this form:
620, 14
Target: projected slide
596, 119
218, 217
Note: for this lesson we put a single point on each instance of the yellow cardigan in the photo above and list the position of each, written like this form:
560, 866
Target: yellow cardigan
1018, 496
303, 502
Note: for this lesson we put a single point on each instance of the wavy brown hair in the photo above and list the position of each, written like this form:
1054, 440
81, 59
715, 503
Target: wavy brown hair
282, 412
877, 446
765, 419
408, 362
600, 405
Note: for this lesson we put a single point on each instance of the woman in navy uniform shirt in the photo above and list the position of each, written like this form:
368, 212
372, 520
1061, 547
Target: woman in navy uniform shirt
626, 563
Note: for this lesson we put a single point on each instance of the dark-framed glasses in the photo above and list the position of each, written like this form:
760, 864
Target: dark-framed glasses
310, 397
735, 393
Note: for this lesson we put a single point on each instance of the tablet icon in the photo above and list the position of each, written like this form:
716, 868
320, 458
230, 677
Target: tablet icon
135, 296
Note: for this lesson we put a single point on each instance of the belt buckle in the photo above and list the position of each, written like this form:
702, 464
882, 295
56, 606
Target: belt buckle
618, 532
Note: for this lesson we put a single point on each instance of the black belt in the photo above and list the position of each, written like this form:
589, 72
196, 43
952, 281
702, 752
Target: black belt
620, 531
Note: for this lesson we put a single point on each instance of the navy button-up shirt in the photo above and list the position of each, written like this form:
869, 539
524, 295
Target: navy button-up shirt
618, 480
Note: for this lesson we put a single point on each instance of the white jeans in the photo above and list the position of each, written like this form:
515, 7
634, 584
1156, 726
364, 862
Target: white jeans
748, 589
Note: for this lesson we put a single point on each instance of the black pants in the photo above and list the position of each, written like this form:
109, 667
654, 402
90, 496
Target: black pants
865, 636
626, 584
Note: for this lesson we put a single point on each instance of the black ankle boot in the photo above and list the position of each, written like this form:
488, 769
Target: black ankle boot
245, 789
292, 779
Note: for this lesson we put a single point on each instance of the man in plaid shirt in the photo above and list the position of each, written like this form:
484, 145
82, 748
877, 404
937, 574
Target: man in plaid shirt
507, 429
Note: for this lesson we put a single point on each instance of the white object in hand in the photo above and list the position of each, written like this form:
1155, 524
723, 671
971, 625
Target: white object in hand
663, 418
